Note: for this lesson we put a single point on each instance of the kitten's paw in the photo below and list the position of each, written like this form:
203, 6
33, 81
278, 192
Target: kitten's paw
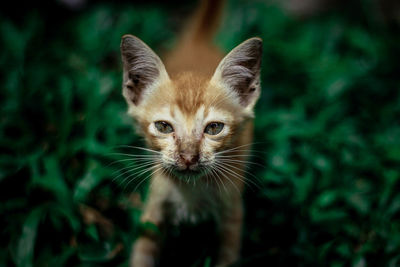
144, 253
227, 260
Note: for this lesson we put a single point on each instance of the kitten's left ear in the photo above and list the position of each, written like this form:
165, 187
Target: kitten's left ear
239, 71
142, 69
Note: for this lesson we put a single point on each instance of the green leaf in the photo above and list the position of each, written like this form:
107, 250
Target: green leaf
207, 262
24, 254
52, 179
87, 183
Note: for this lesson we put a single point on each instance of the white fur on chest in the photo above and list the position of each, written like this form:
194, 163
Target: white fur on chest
193, 204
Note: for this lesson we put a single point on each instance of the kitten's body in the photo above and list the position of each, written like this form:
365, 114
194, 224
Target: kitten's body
198, 90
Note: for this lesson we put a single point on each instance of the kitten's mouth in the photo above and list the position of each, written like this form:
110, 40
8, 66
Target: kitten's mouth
186, 173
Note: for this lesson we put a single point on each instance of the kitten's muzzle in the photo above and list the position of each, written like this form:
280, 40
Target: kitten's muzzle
189, 159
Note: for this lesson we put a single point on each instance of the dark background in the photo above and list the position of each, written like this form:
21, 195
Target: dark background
327, 131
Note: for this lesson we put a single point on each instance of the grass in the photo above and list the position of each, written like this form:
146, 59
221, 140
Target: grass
327, 125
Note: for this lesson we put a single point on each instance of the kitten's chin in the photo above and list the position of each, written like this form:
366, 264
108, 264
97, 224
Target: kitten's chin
187, 174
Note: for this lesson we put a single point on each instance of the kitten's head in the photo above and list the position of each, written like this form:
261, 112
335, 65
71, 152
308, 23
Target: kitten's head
191, 118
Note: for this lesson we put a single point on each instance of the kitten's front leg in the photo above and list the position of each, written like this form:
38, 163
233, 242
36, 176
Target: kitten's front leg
145, 252
146, 247
230, 236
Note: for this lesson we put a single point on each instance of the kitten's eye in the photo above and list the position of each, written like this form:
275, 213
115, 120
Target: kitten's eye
164, 127
214, 128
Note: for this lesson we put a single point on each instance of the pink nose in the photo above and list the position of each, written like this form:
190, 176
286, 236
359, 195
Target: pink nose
189, 159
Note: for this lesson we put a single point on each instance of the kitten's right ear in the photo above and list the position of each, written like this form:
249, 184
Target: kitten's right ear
240, 70
142, 68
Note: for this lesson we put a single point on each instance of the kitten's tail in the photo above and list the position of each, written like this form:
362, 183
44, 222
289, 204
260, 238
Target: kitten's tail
205, 21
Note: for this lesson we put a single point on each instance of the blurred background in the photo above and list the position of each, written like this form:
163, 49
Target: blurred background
327, 130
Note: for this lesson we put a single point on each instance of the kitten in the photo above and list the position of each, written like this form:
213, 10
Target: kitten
198, 119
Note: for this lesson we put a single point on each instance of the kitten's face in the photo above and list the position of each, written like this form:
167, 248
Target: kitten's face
189, 128
189, 119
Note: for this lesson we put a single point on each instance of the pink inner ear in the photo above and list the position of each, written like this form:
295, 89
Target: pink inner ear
135, 78
240, 69
141, 67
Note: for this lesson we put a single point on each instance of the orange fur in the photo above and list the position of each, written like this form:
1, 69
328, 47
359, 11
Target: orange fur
196, 88
195, 51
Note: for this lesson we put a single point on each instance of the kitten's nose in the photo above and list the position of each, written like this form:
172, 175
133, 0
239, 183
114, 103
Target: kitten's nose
189, 159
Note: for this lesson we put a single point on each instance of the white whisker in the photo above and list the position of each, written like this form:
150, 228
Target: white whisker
221, 170
215, 174
142, 148
239, 169
130, 169
129, 159
223, 185
137, 175
238, 176
240, 161
150, 175
133, 155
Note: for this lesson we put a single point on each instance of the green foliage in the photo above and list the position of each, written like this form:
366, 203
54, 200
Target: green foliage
327, 126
